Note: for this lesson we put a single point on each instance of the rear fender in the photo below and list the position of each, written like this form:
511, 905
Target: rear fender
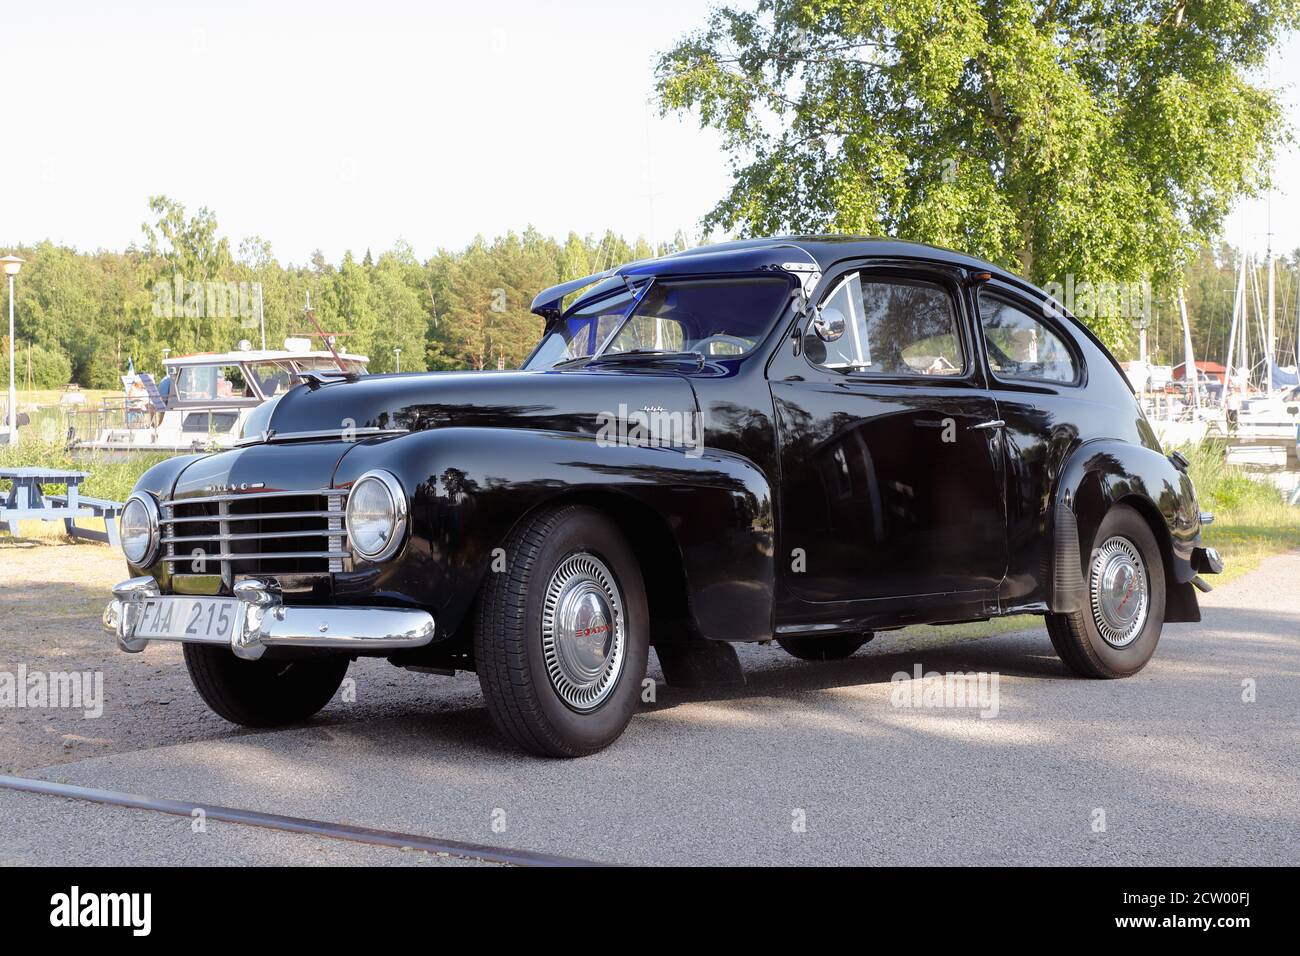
1102, 474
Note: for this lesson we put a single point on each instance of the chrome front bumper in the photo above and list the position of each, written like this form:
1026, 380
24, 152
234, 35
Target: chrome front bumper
265, 621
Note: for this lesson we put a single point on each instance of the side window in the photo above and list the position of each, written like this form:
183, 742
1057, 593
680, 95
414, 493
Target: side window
1021, 346
892, 327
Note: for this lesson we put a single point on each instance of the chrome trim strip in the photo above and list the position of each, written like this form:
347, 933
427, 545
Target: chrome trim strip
269, 516
275, 438
246, 495
256, 536
262, 555
268, 622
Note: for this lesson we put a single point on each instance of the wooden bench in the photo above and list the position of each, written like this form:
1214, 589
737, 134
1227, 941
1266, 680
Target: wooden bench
109, 511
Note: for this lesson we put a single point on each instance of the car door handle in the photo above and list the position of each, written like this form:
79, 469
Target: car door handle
988, 426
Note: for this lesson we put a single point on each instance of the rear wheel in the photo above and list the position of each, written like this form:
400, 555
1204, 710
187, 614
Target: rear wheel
1116, 631
562, 634
833, 647
262, 693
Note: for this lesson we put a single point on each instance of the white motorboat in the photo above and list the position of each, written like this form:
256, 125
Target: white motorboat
1256, 456
1270, 419
203, 400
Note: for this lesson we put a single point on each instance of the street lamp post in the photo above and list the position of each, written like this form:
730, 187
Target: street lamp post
398, 354
11, 266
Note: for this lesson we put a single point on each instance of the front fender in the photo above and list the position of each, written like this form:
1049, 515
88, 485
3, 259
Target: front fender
1100, 474
159, 481
161, 478
469, 487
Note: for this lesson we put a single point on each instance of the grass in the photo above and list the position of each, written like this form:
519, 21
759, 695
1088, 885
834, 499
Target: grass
111, 478
1251, 521
41, 397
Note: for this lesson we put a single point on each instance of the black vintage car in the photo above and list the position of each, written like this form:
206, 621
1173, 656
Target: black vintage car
806, 440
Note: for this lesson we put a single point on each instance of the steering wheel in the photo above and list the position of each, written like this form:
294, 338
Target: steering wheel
742, 345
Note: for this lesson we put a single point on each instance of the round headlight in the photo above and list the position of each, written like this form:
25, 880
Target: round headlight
376, 516
139, 529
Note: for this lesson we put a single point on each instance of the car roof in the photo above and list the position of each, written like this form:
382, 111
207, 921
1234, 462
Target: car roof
826, 250
776, 252
254, 357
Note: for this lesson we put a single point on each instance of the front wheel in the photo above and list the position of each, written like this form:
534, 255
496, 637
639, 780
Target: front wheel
263, 693
562, 634
1116, 631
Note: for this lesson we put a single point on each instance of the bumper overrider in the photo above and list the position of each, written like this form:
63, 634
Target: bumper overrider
262, 620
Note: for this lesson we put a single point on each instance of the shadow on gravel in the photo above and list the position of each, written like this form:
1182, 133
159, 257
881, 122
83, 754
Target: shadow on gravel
1024, 654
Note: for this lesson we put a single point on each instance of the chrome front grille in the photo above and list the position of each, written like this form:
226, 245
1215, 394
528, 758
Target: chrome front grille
269, 532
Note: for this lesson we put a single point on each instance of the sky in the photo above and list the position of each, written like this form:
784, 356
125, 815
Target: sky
340, 127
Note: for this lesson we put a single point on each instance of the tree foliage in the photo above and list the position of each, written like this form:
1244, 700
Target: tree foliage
182, 290
1102, 139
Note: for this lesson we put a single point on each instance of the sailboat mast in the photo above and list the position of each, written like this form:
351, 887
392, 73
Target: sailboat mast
1270, 338
1238, 304
1259, 316
1189, 363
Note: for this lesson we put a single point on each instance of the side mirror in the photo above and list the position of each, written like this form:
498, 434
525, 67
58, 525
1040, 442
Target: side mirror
828, 324
814, 348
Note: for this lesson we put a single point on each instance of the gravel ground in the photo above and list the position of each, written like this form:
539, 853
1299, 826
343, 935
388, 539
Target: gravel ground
52, 594
1195, 761
51, 597
75, 833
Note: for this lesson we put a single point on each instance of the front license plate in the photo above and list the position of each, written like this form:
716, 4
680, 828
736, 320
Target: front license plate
188, 619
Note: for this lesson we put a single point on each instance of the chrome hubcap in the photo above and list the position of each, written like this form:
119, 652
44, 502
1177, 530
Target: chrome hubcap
583, 636
1118, 585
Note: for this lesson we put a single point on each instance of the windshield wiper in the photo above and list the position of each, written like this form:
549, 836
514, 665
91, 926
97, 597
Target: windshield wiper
649, 357
577, 359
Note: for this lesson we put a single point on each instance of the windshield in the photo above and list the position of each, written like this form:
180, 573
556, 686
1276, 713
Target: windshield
582, 332
276, 378
211, 383
715, 317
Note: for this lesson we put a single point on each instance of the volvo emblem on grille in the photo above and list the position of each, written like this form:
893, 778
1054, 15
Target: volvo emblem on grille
230, 489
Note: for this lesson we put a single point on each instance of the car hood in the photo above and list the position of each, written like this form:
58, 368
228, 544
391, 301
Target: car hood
574, 401
308, 423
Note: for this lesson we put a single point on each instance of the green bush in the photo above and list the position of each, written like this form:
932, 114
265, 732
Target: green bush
1221, 487
50, 368
111, 478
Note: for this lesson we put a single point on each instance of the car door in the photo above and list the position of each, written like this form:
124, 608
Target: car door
1038, 379
891, 483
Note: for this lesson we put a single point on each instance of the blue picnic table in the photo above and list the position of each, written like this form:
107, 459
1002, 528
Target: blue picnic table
27, 501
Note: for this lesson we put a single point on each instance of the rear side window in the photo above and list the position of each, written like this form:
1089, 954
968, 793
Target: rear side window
892, 327
1021, 347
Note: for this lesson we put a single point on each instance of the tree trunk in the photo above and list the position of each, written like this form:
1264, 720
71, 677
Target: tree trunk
1027, 249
